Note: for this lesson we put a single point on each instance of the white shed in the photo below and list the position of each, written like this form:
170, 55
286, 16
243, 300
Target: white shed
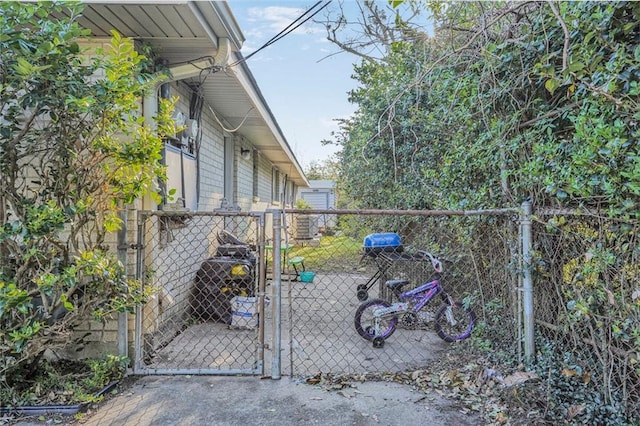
321, 194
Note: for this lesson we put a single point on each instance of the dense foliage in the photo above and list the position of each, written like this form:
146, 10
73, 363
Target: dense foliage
73, 150
506, 102
66, 382
502, 102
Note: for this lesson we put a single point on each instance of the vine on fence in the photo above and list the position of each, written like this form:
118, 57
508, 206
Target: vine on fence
590, 264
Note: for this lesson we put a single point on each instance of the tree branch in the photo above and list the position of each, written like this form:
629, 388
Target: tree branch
565, 30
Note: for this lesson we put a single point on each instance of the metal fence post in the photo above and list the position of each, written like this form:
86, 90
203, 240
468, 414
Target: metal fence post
137, 337
529, 341
276, 296
262, 277
123, 326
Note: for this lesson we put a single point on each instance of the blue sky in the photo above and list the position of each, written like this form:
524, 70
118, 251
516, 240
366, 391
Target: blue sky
304, 82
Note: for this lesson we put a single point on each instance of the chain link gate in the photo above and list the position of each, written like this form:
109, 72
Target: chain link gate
318, 332
302, 318
207, 314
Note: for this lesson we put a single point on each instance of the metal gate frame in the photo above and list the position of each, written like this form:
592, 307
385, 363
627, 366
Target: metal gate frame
277, 218
142, 247
310, 350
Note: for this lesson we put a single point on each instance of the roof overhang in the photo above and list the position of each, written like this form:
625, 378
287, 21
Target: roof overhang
185, 31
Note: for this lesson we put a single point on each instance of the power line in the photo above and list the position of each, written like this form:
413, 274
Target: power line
287, 30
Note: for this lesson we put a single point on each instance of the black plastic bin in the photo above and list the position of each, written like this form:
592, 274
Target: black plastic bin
218, 280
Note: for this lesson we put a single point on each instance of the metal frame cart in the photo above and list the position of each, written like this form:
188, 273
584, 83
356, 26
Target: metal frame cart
385, 249
384, 261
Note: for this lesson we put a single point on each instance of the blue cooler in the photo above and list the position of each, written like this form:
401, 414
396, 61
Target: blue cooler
382, 242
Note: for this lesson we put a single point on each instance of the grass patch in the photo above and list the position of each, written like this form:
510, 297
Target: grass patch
335, 253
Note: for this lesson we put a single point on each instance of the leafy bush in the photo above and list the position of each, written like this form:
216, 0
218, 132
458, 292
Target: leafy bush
568, 388
506, 102
571, 391
65, 382
73, 151
492, 110
301, 203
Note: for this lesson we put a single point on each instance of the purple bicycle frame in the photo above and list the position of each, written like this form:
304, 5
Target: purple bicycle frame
431, 288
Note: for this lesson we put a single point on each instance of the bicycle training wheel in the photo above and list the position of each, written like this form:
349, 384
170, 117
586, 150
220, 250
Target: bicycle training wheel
362, 292
454, 323
365, 321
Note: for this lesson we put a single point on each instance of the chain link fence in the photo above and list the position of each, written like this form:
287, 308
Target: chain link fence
586, 294
587, 305
190, 326
481, 264
204, 317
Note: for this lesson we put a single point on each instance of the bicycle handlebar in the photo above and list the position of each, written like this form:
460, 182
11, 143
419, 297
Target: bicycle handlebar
435, 262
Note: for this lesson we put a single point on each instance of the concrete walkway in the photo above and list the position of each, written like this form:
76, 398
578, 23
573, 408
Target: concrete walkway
326, 341
209, 400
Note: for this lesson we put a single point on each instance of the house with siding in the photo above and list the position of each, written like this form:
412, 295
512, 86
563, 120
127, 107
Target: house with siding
232, 147
231, 156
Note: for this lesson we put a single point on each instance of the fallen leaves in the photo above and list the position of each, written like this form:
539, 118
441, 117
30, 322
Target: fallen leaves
568, 372
519, 377
478, 388
575, 410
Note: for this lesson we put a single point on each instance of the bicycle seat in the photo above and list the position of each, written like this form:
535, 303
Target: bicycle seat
396, 284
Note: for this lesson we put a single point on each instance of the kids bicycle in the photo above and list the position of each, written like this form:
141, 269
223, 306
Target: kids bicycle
377, 319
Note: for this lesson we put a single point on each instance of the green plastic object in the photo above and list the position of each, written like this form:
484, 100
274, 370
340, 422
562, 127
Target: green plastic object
307, 276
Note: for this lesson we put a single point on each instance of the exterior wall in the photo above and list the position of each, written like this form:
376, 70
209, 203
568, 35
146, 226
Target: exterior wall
99, 339
174, 253
244, 175
252, 192
161, 232
211, 169
102, 338
163, 255
211, 163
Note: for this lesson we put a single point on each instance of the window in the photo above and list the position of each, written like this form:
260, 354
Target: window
182, 172
275, 185
256, 175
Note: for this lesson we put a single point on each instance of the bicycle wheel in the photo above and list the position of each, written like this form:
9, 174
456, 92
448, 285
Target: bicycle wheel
454, 323
365, 320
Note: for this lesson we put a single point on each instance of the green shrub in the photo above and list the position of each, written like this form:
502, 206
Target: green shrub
65, 382
73, 152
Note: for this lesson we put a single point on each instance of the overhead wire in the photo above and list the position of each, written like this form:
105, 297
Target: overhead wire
286, 31
281, 35
215, 116
205, 72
